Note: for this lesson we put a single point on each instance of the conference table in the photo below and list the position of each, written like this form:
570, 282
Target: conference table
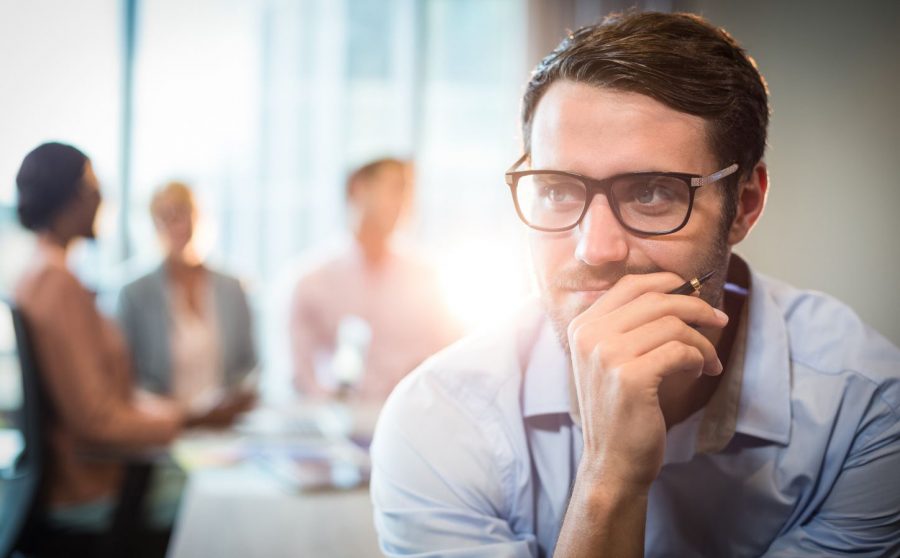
247, 496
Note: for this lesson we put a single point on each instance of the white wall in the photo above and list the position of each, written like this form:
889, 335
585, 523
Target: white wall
833, 217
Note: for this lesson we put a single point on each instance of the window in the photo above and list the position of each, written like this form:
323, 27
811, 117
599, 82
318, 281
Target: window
62, 82
264, 106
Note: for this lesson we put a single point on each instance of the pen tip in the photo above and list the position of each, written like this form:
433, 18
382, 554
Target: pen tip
703, 278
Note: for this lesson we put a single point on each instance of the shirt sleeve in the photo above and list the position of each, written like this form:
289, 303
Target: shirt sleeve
75, 366
438, 486
861, 514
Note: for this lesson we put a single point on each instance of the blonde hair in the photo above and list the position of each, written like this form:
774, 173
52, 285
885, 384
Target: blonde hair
175, 191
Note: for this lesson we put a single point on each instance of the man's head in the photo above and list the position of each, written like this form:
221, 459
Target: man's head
377, 195
645, 92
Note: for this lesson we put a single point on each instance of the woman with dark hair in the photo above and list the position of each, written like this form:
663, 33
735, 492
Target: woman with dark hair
82, 358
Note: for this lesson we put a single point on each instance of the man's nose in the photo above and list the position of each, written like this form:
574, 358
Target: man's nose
602, 238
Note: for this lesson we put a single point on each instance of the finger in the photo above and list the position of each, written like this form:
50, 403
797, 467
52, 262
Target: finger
652, 306
645, 309
657, 333
627, 289
630, 287
673, 357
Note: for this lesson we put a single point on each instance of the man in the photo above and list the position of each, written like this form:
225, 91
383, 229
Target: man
364, 318
615, 419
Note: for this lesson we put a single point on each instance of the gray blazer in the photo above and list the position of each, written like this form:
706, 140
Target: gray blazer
143, 312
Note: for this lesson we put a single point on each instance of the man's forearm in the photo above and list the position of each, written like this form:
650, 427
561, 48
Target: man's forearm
604, 518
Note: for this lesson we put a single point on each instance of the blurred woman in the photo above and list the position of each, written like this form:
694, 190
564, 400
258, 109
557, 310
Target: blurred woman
189, 326
82, 358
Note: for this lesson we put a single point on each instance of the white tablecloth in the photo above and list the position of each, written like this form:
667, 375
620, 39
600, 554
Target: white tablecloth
244, 511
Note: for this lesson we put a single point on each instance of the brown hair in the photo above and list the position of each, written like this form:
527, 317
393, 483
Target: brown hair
680, 60
368, 171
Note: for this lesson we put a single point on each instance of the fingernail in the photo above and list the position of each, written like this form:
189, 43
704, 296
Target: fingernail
715, 369
721, 315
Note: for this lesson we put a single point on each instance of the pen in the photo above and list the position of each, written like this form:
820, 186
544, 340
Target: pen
693, 285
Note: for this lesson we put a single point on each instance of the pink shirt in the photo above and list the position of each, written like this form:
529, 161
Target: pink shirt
400, 302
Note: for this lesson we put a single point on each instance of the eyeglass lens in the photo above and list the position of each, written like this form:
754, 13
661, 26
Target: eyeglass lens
644, 202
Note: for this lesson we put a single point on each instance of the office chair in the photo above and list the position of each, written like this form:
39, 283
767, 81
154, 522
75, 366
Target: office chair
20, 480
27, 534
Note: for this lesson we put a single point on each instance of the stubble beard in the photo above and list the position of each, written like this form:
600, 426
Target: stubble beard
716, 257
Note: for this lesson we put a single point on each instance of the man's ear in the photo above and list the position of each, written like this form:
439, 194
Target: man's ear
751, 201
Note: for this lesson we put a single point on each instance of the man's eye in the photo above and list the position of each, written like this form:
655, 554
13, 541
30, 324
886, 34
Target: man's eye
645, 193
558, 193
654, 192
554, 194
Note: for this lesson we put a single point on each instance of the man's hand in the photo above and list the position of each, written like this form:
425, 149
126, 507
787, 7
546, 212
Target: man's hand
622, 348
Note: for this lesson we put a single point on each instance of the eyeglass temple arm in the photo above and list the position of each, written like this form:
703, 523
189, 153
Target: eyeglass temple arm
714, 177
514, 167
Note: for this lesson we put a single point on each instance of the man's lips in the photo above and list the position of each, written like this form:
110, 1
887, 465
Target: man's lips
586, 288
586, 295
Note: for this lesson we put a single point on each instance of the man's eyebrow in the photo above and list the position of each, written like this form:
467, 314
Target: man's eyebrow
630, 172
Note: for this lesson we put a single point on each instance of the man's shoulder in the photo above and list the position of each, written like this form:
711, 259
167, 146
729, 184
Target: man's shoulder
319, 269
828, 334
456, 422
829, 342
478, 376
412, 258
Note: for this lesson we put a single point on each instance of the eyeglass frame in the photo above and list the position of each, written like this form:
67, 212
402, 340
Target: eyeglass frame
594, 185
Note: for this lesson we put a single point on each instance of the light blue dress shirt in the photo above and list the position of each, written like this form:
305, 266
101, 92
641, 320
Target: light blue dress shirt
476, 451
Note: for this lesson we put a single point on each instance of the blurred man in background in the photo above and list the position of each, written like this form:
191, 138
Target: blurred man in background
364, 317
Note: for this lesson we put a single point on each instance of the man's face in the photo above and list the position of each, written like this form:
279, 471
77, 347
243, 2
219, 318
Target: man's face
380, 202
599, 133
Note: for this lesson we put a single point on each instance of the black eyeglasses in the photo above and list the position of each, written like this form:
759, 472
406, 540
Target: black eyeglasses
646, 203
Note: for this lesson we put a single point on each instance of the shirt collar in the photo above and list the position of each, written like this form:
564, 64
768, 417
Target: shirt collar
764, 410
546, 389
753, 397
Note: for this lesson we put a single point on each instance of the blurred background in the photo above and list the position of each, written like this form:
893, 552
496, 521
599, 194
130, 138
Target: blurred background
264, 105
